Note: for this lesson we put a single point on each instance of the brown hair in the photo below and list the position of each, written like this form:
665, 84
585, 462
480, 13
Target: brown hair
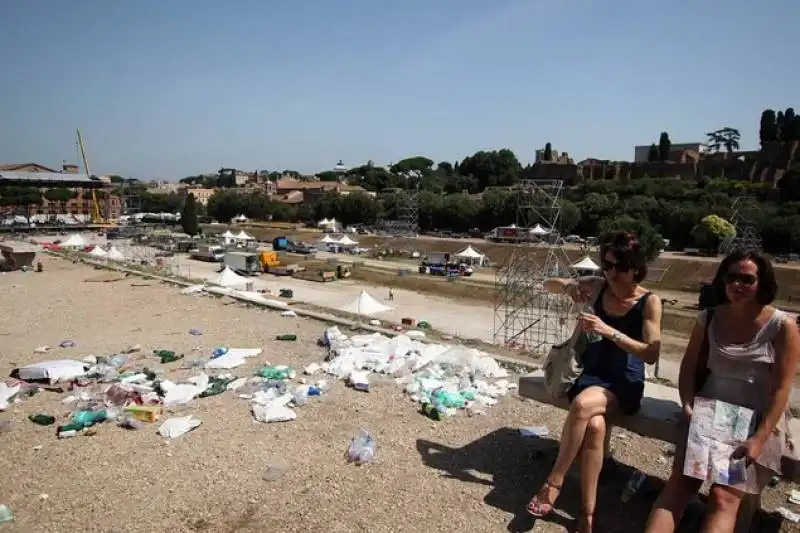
626, 248
767, 284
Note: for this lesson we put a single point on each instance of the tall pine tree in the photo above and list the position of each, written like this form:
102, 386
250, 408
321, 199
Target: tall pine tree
189, 216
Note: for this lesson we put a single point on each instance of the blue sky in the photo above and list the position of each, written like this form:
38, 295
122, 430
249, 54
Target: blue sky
163, 89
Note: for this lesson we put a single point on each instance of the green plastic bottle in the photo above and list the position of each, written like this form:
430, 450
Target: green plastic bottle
42, 420
275, 372
287, 337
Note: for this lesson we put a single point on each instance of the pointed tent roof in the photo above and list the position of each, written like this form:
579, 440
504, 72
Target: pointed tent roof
586, 264
539, 230
327, 239
470, 252
74, 241
228, 235
98, 252
229, 278
347, 241
323, 222
365, 305
115, 254
244, 236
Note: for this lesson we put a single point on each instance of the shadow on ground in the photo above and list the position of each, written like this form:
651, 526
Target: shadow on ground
519, 465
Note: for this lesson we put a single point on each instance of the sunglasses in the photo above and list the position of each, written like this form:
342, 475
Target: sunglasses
619, 267
735, 277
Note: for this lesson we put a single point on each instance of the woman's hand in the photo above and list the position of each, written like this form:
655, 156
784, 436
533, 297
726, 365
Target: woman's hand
750, 450
593, 324
577, 293
687, 412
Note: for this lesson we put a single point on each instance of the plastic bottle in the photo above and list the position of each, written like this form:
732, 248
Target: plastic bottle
287, 337
591, 337
275, 372
432, 412
300, 394
89, 418
42, 420
635, 483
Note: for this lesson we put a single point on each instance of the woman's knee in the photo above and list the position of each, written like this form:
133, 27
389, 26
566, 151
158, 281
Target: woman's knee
596, 427
724, 498
588, 403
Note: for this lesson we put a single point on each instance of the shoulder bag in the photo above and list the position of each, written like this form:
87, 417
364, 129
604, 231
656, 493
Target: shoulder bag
563, 365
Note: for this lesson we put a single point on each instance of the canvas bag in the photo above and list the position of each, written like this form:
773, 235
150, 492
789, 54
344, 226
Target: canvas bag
563, 363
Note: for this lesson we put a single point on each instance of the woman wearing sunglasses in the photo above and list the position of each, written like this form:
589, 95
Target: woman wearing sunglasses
626, 327
752, 352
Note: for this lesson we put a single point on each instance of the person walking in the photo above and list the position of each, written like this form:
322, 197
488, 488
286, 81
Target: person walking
626, 326
391, 295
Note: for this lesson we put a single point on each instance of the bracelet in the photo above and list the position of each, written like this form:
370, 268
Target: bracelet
616, 336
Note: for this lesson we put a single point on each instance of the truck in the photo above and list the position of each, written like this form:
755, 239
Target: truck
246, 263
208, 252
280, 243
268, 260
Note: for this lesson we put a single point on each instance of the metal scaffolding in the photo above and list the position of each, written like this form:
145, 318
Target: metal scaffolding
131, 201
745, 211
407, 222
526, 316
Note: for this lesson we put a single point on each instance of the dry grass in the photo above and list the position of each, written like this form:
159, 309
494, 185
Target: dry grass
464, 474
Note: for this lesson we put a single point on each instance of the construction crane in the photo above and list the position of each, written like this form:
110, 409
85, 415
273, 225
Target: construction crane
97, 214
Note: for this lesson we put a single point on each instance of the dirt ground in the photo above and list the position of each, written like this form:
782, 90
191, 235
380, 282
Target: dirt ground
463, 474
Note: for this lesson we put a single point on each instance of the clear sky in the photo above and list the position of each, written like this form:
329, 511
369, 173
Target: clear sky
163, 89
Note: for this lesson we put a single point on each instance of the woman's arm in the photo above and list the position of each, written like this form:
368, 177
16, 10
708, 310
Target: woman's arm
581, 288
787, 352
688, 371
648, 350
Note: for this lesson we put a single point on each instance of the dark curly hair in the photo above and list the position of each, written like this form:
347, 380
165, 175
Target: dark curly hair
767, 284
626, 248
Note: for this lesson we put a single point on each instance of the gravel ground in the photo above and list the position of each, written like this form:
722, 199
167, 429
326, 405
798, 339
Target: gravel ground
464, 474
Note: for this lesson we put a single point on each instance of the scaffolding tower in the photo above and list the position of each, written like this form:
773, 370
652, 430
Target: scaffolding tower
525, 315
407, 222
131, 201
745, 211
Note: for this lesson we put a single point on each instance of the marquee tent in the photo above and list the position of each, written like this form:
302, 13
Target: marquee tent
243, 236
539, 230
229, 278
98, 252
471, 255
74, 241
586, 264
347, 241
365, 305
115, 255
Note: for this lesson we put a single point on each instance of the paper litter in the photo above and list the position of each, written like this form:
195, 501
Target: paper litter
175, 427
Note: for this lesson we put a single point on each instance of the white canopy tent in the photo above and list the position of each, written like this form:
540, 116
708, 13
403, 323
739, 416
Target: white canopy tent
586, 264
471, 256
74, 241
328, 239
243, 236
115, 255
98, 252
365, 305
239, 218
539, 230
347, 241
228, 237
230, 279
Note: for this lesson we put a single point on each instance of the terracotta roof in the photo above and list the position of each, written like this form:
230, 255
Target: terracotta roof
301, 184
17, 166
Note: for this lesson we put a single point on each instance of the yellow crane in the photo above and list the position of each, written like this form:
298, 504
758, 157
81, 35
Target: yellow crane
97, 214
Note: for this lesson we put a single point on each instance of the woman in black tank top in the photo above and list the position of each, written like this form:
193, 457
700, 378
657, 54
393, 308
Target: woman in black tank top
627, 327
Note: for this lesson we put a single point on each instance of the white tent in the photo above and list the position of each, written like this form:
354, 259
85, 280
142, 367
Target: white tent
229, 278
115, 255
586, 264
98, 252
328, 239
539, 230
365, 305
74, 241
347, 241
239, 218
323, 222
228, 237
471, 255
242, 236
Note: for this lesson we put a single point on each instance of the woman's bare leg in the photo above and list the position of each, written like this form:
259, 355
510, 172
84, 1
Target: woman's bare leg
671, 503
723, 505
592, 456
592, 402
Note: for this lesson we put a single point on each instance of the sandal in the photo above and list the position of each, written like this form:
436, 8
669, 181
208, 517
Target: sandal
540, 509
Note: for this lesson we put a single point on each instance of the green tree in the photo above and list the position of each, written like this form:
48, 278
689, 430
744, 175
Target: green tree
548, 152
652, 154
649, 238
768, 128
494, 168
189, 216
664, 145
711, 231
418, 164
727, 138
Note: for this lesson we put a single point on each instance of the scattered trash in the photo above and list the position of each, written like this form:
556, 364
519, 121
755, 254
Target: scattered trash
42, 420
5, 514
788, 515
144, 413
167, 356
273, 412
195, 331
54, 371
175, 427
635, 483
311, 369
276, 372
288, 313
219, 351
359, 380
68, 344
6, 394
132, 349
41, 349
794, 497
231, 357
361, 449
275, 470
287, 337
534, 431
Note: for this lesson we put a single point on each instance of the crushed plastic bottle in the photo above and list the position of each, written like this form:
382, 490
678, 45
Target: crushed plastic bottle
361, 449
5, 514
591, 337
300, 394
275, 470
275, 372
219, 351
635, 483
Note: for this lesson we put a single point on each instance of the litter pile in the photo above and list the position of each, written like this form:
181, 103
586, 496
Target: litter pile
443, 378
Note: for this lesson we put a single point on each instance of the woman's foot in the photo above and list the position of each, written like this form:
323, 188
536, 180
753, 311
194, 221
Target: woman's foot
544, 502
585, 522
